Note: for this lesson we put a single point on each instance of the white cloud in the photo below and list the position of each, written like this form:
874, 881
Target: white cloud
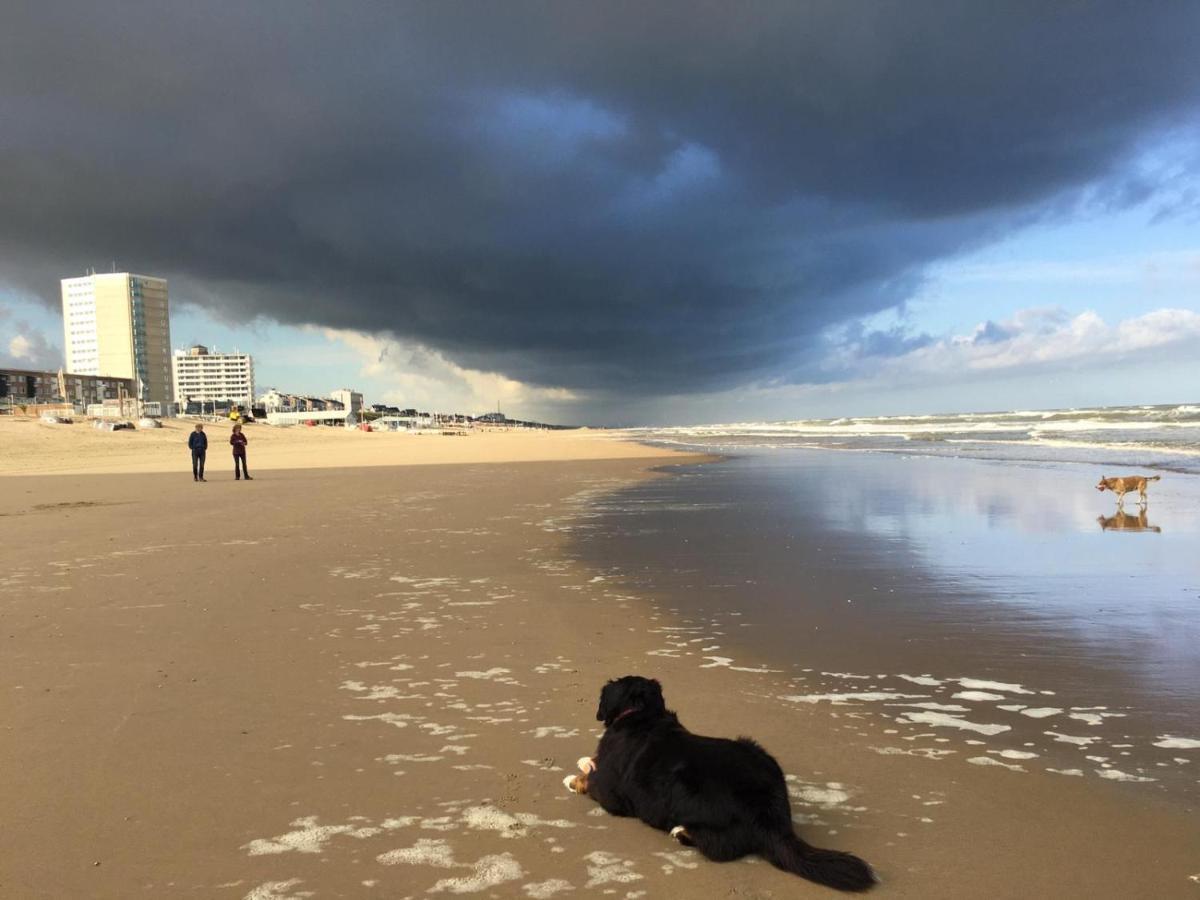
411, 374
23, 346
1048, 339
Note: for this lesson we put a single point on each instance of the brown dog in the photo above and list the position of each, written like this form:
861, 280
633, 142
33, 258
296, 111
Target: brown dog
1126, 483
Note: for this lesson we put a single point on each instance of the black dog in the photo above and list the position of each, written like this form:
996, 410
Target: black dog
726, 798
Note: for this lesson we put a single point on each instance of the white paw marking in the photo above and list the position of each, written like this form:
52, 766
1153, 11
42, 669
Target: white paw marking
586, 764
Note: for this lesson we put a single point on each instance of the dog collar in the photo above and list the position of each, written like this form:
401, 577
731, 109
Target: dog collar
627, 712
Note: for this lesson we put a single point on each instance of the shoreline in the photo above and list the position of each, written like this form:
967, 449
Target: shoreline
908, 613
390, 693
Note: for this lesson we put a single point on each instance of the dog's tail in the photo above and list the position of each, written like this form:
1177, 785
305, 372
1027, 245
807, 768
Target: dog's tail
832, 868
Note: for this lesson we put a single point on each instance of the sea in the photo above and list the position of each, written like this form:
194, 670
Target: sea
967, 559
1157, 437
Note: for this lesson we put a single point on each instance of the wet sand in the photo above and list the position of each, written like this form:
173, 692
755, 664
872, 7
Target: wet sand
370, 682
943, 595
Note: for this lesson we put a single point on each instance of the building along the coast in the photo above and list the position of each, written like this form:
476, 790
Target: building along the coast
118, 325
210, 377
351, 401
26, 387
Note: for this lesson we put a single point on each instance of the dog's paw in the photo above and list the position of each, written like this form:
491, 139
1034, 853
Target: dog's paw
576, 784
680, 834
586, 764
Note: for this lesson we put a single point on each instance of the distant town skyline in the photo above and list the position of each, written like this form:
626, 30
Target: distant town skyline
693, 215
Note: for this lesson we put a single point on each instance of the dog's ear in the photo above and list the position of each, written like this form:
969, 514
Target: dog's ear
605, 712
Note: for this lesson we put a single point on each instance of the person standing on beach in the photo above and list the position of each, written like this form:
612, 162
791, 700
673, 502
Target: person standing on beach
239, 442
198, 444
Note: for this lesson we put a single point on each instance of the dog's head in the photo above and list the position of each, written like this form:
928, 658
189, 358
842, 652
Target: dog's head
632, 693
1103, 485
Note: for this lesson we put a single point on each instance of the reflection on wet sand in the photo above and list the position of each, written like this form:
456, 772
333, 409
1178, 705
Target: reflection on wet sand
1123, 521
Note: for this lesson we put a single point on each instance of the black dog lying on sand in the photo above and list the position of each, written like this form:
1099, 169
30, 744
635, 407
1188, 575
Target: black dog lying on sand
725, 798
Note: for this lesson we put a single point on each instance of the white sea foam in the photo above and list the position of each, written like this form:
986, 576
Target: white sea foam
726, 662
926, 752
1176, 743
977, 695
830, 794
840, 699
988, 761
543, 890
1116, 775
308, 837
941, 720
1041, 712
487, 872
1071, 739
606, 868
278, 890
925, 680
980, 685
425, 852
488, 818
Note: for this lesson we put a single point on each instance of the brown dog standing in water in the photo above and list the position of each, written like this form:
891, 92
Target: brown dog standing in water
1126, 483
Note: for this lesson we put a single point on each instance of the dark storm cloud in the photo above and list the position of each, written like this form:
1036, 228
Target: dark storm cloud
653, 197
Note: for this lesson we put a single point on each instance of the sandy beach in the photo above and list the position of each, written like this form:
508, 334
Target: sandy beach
366, 674
30, 447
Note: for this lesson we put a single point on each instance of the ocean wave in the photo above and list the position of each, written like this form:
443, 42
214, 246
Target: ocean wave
1163, 435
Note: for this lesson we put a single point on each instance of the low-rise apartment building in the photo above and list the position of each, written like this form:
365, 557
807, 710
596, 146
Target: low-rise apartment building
30, 387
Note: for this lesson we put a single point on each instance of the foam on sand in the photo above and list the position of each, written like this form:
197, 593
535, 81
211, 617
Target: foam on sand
1071, 739
844, 698
488, 818
543, 890
1040, 712
1116, 775
924, 680
278, 890
941, 720
607, 868
988, 761
980, 685
1176, 743
830, 794
309, 837
487, 872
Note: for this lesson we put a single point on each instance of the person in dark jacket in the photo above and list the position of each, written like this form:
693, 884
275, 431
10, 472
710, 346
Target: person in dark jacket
198, 443
239, 442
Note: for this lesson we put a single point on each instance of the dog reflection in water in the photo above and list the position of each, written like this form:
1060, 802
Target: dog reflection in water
1124, 521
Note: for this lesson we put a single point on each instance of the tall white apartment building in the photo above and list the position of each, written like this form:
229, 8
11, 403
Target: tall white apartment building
119, 325
206, 377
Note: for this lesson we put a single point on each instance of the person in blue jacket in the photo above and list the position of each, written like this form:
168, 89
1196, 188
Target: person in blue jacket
198, 443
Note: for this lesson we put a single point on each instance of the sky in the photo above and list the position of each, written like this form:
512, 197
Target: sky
625, 213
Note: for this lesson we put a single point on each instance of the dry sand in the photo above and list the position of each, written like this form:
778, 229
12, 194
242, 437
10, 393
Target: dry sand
369, 682
31, 447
